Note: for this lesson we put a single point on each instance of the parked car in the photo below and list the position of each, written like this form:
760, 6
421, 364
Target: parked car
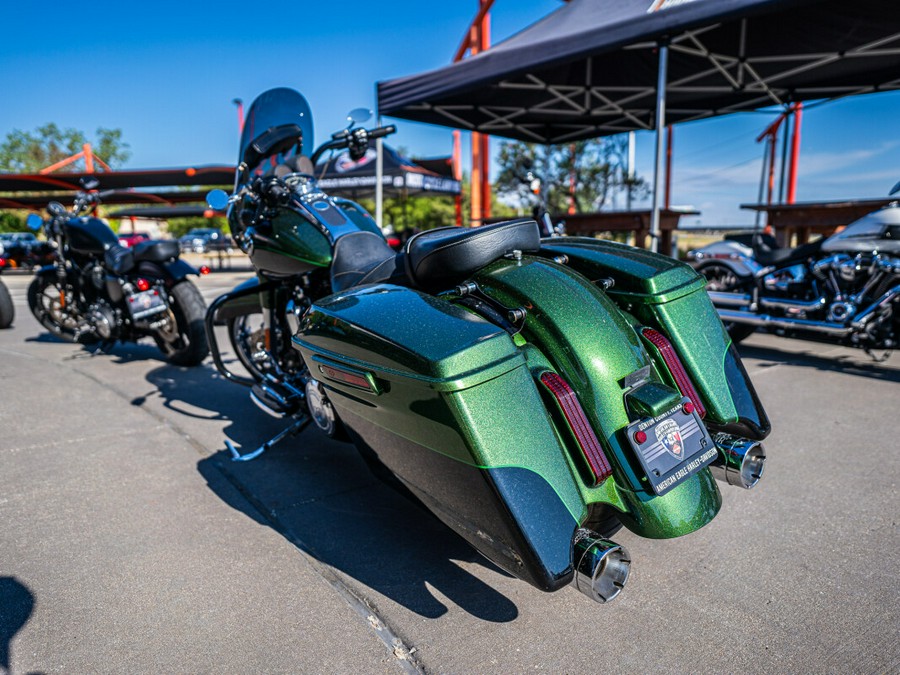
205, 240
132, 238
23, 250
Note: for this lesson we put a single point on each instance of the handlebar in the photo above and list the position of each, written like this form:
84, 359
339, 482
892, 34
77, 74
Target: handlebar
344, 138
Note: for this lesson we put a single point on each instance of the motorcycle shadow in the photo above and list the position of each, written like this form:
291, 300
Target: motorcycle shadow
850, 364
321, 496
126, 352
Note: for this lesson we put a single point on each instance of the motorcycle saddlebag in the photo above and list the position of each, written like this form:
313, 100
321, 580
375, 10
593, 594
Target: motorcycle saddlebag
446, 401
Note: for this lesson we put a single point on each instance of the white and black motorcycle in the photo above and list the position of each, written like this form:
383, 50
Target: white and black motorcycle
843, 289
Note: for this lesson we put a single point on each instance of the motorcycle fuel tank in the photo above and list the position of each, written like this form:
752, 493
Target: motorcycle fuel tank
90, 236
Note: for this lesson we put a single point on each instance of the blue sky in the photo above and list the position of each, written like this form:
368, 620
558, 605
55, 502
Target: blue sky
166, 73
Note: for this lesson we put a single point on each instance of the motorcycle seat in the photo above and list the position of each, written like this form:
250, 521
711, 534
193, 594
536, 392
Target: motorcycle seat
121, 259
157, 250
364, 258
430, 259
448, 255
780, 256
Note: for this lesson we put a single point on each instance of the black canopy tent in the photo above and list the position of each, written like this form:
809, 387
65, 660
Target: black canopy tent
401, 177
602, 67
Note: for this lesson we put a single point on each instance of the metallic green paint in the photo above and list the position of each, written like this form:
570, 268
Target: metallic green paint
453, 382
460, 386
299, 239
667, 295
592, 345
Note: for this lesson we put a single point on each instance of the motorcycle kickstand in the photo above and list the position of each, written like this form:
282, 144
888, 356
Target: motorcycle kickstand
876, 358
93, 349
294, 429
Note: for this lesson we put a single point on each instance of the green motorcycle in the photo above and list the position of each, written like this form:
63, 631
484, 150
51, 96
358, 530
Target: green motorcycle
535, 394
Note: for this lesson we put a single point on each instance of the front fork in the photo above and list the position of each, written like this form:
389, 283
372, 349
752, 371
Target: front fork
274, 395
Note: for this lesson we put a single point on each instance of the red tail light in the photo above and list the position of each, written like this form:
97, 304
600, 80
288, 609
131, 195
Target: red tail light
204, 269
673, 363
578, 422
142, 284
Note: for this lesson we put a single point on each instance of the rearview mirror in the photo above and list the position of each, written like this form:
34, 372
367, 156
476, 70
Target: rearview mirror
34, 221
56, 209
217, 199
359, 115
894, 190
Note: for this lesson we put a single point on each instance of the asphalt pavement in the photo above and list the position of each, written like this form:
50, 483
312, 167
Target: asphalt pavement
129, 542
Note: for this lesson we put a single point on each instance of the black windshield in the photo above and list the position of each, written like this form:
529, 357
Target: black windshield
275, 108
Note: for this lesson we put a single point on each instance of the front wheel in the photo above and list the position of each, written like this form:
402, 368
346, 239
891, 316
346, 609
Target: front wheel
722, 279
7, 311
53, 304
183, 340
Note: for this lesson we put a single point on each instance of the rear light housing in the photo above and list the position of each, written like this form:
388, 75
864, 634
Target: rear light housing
676, 368
587, 440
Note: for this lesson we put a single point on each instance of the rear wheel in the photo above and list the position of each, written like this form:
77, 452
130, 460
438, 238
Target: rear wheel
722, 279
7, 311
183, 341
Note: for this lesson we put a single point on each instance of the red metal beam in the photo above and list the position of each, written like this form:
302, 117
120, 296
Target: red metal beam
795, 155
467, 40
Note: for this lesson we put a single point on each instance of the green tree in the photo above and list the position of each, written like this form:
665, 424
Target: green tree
598, 168
31, 151
10, 222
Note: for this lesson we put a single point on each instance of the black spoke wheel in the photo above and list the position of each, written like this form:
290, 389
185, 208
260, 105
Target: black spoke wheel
51, 302
248, 340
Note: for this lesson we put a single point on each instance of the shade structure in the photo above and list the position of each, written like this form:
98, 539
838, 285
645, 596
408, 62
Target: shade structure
590, 68
165, 212
119, 180
32, 201
401, 177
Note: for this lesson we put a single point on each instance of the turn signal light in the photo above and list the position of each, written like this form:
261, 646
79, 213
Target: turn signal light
142, 284
578, 423
673, 363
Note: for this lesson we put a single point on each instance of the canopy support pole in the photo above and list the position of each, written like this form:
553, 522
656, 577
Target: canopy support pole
660, 128
379, 174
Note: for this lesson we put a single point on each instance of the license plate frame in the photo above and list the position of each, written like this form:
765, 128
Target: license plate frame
145, 304
664, 466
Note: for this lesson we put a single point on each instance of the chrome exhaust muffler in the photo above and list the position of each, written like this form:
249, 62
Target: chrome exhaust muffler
767, 321
740, 461
601, 566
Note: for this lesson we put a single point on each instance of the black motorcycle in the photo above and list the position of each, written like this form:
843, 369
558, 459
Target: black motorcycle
99, 292
843, 289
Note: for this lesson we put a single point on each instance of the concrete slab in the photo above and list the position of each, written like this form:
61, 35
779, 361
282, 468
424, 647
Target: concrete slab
122, 502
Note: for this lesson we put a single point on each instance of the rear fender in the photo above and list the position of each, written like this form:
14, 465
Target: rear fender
584, 337
667, 295
742, 267
170, 272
